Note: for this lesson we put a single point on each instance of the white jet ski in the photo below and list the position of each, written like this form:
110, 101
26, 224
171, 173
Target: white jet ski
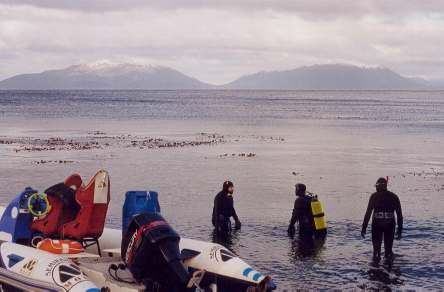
29, 269
33, 270
222, 268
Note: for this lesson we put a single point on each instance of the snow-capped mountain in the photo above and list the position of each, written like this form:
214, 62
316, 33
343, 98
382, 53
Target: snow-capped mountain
105, 75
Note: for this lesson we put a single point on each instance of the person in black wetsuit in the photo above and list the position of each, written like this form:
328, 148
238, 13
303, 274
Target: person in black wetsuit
223, 209
383, 204
301, 213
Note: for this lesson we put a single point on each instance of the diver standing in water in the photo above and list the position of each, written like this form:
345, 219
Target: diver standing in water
383, 204
223, 209
308, 212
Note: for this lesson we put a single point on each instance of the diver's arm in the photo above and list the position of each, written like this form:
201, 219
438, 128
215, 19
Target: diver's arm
367, 216
399, 217
237, 223
217, 210
213, 217
215, 213
296, 214
234, 215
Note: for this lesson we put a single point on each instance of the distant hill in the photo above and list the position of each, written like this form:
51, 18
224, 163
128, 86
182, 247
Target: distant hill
436, 83
325, 77
105, 76
132, 76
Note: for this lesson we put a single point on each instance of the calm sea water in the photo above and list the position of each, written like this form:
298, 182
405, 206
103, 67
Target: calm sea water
338, 143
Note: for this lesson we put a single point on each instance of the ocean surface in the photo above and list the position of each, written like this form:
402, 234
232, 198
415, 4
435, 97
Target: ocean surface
336, 142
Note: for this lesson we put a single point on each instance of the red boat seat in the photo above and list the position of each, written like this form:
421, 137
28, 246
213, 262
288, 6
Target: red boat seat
90, 220
74, 181
49, 225
64, 208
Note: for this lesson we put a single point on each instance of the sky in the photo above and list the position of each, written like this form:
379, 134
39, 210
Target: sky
217, 41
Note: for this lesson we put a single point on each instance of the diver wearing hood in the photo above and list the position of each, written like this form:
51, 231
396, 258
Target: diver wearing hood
383, 204
223, 209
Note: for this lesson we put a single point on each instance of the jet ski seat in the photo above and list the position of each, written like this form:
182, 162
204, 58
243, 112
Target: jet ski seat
93, 199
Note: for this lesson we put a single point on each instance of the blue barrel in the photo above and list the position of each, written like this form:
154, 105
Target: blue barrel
138, 202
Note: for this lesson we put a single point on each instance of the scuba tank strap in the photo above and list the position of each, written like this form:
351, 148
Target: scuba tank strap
383, 215
308, 199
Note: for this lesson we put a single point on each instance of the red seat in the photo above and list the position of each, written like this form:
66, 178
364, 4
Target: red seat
49, 224
63, 207
90, 220
74, 181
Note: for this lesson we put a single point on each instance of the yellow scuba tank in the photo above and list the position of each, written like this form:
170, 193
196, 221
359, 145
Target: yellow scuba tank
318, 214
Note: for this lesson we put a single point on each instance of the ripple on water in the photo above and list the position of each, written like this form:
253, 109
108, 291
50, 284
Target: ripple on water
342, 260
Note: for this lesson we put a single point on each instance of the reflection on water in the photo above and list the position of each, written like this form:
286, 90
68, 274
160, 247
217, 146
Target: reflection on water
230, 240
388, 274
341, 260
303, 247
384, 276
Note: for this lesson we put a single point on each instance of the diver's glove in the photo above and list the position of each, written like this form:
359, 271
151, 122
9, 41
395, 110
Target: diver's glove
237, 225
363, 233
398, 235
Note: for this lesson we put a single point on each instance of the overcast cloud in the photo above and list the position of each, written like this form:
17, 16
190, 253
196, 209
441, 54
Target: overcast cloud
217, 41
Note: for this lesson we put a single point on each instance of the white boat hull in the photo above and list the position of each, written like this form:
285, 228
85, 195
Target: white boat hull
205, 256
36, 270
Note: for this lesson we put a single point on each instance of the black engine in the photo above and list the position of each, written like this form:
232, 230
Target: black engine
150, 249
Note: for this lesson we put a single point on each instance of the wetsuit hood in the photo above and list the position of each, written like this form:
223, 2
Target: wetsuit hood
300, 190
381, 184
227, 184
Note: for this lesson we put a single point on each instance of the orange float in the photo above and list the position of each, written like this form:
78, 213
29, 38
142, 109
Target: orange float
62, 246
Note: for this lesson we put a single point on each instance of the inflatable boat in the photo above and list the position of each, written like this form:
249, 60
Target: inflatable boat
29, 269
147, 255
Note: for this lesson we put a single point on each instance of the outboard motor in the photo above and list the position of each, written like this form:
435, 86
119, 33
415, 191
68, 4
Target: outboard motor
150, 249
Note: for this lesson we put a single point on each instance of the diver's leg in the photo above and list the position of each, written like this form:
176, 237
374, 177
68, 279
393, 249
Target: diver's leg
377, 241
221, 227
225, 225
228, 225
389, 236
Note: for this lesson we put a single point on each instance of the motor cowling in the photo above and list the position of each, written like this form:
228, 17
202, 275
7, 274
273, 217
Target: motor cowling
150, 249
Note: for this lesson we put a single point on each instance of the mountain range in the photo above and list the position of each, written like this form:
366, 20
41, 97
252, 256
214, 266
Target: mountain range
134, 76
105, 76
328, 77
